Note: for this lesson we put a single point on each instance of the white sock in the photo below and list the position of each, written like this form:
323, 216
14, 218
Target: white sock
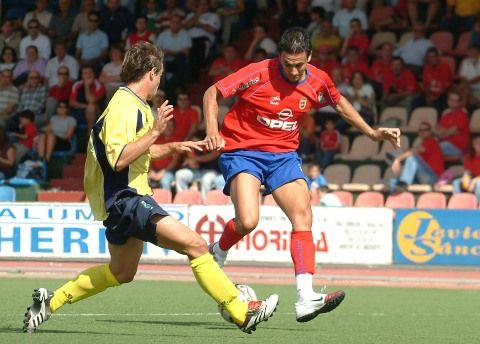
304, 286
218, 250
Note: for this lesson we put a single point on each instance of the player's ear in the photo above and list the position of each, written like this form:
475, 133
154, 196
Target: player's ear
309, 57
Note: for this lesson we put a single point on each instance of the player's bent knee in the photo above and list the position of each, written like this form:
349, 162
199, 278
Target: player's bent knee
196, 247
246, 224
125, 276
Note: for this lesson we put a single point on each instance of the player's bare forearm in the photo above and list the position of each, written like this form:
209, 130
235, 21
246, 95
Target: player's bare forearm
164, 150
210, 110
348, 112
135, 149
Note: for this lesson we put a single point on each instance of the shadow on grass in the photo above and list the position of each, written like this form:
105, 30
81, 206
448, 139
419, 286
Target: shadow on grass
51, 331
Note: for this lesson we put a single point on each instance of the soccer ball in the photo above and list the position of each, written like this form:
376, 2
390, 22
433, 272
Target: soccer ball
246, 294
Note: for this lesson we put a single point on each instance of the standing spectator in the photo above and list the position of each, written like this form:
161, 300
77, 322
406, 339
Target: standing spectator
7, 156
60, 28
87, 97
110, 75
60, 92
151, 13
33, 96
382, 65
171, 9
414, 50
58, 134
202, 26
229, 12
92, 45
297, 15
8, 59
26, 65
328, 144
186, 118
423, 162
61, 58
41, 14
341, 19
323, 60
9, 36
356, 38
80, 23
36, 39
431, 10
142, 33
176, 45
327, 37
116, 21
28, 132
261, 40
399, 86
470, 181
226, 64
469, 74
9, 96
453, 128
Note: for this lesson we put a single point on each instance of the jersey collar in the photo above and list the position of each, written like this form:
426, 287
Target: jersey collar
125, 88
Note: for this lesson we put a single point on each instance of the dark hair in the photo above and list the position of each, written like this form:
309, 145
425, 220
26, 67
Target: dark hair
264, 26
94, 13
34, 47
141, 16
14, 54
355, 20
318, 10
294, 41
28, 114
398, 58
432, 50
141, 58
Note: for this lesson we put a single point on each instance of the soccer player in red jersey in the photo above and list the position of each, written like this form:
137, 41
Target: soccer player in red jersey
259, 138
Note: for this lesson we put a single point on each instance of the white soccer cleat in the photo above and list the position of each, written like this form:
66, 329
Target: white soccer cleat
214, 250
39, 311
259, 311
307, 310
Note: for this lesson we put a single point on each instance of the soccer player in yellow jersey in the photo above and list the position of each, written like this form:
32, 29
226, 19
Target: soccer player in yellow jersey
119, 151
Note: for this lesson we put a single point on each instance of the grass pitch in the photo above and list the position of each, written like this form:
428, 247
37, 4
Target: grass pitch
179, 312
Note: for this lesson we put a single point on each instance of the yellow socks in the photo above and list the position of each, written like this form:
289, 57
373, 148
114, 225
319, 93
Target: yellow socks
88, 283
215, 283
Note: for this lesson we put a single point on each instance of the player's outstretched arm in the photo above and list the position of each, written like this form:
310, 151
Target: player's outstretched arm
348, 112
210, 109
166, 149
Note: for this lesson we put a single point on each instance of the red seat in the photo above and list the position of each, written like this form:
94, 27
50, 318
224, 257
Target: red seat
462, 44
189, 196
378, 14
345, 197
432, 200
463, 200
443, 40
451, 62
72, 171
401, 200
216, 197
370, 199
74, 184
61, 196
162, 196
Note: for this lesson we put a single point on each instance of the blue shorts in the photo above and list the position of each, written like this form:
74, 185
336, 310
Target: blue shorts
272, 169
129, 216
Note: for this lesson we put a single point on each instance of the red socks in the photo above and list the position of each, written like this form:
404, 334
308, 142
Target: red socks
229, 236
302, 250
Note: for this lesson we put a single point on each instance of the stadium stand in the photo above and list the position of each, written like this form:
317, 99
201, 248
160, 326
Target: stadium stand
213, 197
401, 200
363, 177
337, 174
421, 114
346, 197
7, 193
188, 196
432, 200
61, 196
463, 200
162, 196
362, 148
443, 40
394, 115
370, 199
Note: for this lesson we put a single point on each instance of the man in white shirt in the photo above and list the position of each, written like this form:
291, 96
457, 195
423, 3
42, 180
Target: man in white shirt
341, 19
37, 39
41, 14
414, 50
470, 75
61, 58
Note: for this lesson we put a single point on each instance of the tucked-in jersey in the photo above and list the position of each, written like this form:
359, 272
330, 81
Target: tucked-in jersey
126, 119
267, 114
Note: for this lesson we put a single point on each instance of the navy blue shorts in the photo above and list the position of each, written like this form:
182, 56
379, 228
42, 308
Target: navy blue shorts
129, 216
272, 169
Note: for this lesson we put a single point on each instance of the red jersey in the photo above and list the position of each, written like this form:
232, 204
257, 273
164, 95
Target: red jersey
379, 69
472, 164
135, 37
97, 89
61, 93
31, 130
457, 118
437, 79
163, 163
329, 139
361, 42
232, 65
326, 66
350, 68
267, 114
432, 155
183, 121
405, 81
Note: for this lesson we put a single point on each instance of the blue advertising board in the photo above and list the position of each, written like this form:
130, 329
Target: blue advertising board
436, 237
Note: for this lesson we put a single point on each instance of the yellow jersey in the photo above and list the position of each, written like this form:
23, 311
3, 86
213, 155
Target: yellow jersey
125, 120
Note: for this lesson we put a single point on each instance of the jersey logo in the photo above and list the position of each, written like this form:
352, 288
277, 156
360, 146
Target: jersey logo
275, 100
303, 103
285, 114
244, 86
321, 98
277, 124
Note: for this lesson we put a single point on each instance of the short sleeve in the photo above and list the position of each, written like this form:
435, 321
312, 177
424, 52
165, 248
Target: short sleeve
241, 80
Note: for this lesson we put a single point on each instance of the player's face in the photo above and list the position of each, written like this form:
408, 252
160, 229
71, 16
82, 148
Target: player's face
294, 65
155, 78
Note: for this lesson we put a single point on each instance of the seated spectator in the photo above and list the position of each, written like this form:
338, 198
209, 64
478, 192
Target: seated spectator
423, 162
328, 144
33, 97
10, 37
7, 156
314, 178
229, 12
399, 86
317, 15
41, 14
60, 28
298, 14
87, 97
9, 97
110, 75
116, 21
92, 45
352, 63
453, 128
32, 62
318, 187
226, 64
261, 41
171, 10
151, 12
469, 74
328, 37
461, 15
431, 10
60, 92
80, 23
141, 34
185, 118
28, 131
414, 50
36, 39
341, 19
58, 134
323, 60
356, 38
470, 181
8, 59
61, 58
383, 63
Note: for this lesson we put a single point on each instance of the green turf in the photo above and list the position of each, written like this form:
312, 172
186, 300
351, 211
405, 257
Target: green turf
176, 312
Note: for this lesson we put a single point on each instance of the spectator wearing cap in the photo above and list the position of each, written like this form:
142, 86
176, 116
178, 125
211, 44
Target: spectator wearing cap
328, 37
9, 36
469, 74
261, 40
36, 39
413, 51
